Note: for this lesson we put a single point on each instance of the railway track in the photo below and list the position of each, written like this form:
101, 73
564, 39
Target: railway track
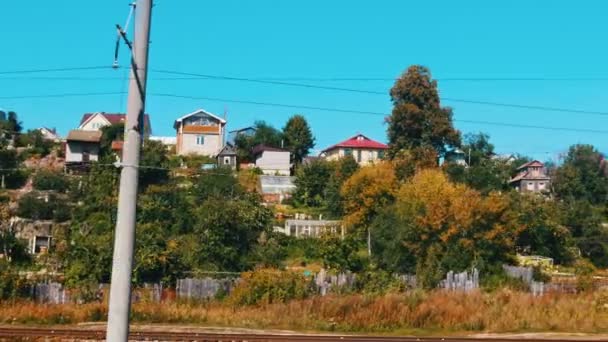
34, 334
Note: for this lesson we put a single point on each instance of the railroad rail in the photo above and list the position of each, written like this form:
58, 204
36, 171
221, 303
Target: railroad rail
7, 333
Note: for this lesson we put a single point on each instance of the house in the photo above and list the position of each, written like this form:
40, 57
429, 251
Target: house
311, 228
49, 134
363, 149
272, 160
96, 121
276, 189
227, 157
531, 177
200, 132
82, 146
456, 156
247, 131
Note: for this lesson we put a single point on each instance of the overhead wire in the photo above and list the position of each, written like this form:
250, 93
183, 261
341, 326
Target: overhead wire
270, 104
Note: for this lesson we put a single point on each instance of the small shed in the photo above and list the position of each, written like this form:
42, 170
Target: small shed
227, 157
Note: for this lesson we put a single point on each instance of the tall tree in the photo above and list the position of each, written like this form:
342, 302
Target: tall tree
417, 119
298, 138
311, 182
581, 177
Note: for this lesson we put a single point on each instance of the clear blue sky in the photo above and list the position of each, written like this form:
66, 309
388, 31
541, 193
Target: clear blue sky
322, 39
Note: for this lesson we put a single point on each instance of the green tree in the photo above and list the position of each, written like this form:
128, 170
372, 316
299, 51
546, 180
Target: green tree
581, 176
36, 143
298, 138
417, 119
154, 162
311, 182
542, 231
343, 169
340, 254
227, 231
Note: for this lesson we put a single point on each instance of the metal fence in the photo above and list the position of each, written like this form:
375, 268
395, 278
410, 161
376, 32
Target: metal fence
50, 293
463, 281
205, 288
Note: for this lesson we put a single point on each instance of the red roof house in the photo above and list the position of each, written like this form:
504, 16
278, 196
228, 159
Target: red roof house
360, 147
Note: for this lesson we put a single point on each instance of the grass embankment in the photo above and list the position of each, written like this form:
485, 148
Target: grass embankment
436, 312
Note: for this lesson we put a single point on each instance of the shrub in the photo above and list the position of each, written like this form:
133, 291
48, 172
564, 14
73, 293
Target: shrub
50, 180
11, 285
267, 286
584, 271
35, 207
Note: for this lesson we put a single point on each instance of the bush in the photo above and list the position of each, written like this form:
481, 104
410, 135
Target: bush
584, 271
50, 180
267, 286
11, 285
35, 207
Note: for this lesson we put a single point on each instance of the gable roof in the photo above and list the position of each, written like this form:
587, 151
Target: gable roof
84, 136
250, 128
534, 163
113, 118
198, 111
358, 141
228, 150
258, 149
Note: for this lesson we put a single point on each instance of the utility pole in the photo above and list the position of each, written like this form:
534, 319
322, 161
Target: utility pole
124, 236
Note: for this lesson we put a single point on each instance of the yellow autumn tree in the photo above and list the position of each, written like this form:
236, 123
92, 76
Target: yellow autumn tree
449, 226
366, 193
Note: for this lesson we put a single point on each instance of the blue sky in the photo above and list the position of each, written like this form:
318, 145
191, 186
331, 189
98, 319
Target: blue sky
321, 39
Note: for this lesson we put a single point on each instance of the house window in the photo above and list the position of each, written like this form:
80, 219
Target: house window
358, 156
541, 186
41, 244
348, 151
226, 160
381, 154
200, 139
530, 185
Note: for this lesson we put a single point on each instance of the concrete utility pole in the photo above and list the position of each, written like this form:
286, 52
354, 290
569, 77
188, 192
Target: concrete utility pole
124, 239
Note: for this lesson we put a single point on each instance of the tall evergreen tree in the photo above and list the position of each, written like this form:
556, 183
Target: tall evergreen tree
417, 119
298, 138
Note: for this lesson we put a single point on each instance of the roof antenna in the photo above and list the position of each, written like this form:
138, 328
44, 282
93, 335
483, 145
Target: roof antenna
122, 32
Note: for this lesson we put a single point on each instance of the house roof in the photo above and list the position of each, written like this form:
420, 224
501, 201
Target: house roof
199, 111
534, 163
358, 141
228, 150
84, 136
250, 128
527, 176
263, 148
113, 118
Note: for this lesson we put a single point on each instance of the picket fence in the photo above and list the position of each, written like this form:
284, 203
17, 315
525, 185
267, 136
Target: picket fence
463, 281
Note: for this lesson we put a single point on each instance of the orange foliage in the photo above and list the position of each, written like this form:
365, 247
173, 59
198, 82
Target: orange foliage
446, 213
367, 191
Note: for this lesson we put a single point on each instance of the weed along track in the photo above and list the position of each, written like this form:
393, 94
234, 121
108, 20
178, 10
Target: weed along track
36, 334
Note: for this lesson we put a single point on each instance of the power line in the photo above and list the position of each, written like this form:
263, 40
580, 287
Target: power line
361, 91
340, 110
58, 95
32, 71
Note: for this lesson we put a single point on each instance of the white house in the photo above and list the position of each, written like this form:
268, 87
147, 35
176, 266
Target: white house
82, 146
200, 132
49, 134
272, 160
363, 149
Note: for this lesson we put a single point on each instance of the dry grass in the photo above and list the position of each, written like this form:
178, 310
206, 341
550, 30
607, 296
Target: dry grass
503, 311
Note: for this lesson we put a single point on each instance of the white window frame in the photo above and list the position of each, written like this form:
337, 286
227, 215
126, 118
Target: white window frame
200, 140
